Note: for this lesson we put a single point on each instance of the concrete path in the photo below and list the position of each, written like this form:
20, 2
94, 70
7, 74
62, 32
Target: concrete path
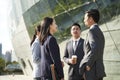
15, 77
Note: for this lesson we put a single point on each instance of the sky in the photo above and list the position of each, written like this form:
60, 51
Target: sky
4, 32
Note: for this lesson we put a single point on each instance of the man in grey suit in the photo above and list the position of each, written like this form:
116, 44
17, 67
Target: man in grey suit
74, 48
92, 63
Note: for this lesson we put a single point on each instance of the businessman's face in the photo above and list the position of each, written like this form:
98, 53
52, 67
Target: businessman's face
75, 31
87, 20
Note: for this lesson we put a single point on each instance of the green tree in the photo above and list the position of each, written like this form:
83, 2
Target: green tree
7, 63
15, 62
2, 65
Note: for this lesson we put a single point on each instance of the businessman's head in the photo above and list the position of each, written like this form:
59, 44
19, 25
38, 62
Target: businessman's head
91, 17
75, 30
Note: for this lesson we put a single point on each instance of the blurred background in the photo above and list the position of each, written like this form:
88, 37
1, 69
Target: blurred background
18, 19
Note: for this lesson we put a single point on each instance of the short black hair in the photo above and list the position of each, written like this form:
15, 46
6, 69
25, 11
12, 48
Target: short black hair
76, 24
94, 13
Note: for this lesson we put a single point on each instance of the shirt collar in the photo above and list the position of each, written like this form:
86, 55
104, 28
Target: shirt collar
93, 25
76, 39
37, 37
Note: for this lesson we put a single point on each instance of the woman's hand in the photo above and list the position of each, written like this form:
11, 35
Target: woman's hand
62, 63
88, 68
62, 78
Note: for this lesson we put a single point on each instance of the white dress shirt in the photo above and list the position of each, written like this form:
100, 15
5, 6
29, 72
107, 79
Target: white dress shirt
75, 44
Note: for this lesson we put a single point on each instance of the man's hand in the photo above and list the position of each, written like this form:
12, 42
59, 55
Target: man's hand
71, 61
88, 68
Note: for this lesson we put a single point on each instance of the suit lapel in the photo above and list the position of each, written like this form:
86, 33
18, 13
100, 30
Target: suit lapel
85, 43
86, 40
71, 47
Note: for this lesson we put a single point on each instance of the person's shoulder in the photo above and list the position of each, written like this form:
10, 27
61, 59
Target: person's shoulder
95, 27
95, 30
69, 40
82, 39
51, 37
35, 45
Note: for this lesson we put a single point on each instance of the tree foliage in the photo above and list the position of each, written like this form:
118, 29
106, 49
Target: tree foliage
2, 65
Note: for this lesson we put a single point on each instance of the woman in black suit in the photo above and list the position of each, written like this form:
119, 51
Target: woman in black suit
49, 50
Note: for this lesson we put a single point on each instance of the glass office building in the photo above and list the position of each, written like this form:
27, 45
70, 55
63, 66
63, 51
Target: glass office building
24, 15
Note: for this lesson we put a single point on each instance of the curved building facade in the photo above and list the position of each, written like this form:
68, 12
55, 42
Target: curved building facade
26, 14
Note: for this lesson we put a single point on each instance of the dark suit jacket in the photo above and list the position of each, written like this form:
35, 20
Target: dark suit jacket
94, 48
74, 69
48, 49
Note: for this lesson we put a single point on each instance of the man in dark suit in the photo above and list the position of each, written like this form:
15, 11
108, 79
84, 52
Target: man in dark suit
92, 62
74, 47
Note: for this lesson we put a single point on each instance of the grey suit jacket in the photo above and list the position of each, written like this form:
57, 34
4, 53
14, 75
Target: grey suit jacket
36, 57
74, 69
94, 48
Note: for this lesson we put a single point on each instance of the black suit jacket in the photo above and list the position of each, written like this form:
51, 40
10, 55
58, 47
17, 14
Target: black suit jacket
74, 69
48, 49
94, 48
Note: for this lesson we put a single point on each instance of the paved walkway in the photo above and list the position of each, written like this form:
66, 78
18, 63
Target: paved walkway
15, 77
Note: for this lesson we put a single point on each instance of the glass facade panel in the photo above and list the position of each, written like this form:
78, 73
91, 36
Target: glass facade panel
26, 14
